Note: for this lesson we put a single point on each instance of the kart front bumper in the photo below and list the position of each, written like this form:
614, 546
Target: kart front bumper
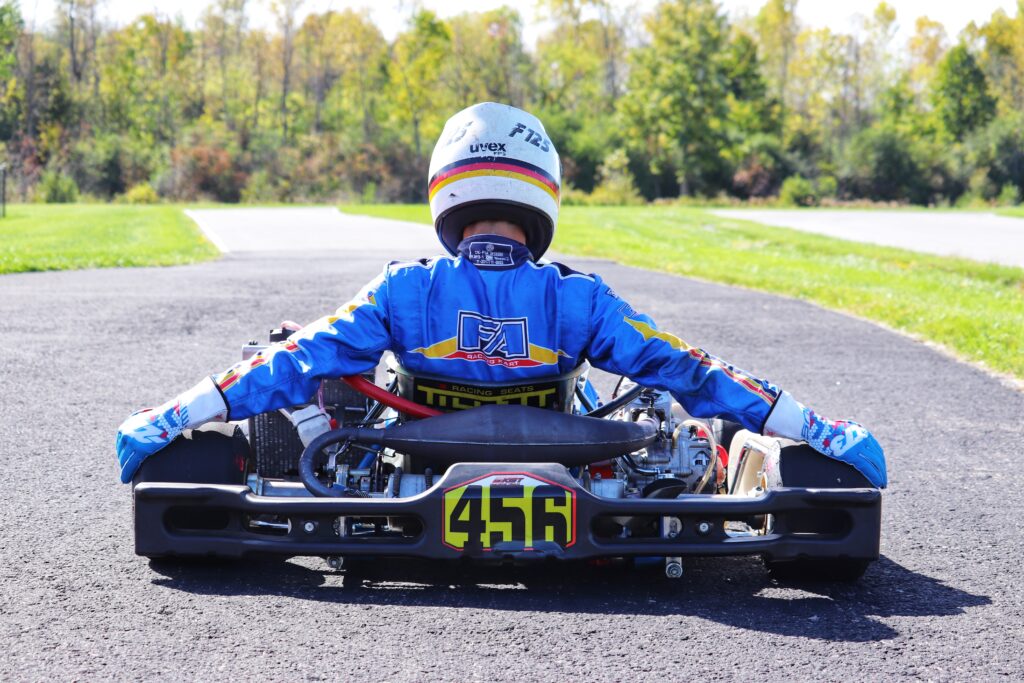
505, 512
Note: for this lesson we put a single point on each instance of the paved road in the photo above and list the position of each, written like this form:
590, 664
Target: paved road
80, 350
308, 229
978, 236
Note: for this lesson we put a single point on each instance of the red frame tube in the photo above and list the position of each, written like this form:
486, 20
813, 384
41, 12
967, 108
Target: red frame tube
402, 405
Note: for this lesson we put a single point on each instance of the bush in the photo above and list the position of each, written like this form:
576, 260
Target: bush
827, 187
259, 189
798, 191
205, 165
617, 186
369, 193
143, 193
207, 171
881, 164
1009, 195
981, 186
970, 200
108, 165
763, 166
997, 152
57, 188
571, 196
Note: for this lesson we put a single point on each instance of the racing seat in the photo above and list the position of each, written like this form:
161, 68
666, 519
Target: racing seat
447, 395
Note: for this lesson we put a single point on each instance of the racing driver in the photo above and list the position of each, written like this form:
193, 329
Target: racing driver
493, 311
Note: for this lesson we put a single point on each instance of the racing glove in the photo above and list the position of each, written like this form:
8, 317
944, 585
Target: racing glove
845, 441
147, 431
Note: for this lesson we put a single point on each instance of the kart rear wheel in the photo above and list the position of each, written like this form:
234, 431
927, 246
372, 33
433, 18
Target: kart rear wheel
801, 466
216, 454
812, 571
209, 456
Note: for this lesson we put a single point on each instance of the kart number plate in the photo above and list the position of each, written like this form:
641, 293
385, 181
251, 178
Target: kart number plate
509, 511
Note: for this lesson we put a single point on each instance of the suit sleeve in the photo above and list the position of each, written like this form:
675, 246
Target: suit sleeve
288, 373
628, 343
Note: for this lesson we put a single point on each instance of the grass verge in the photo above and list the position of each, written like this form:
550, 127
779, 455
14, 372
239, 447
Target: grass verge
63, 236
1014, 211
975, 309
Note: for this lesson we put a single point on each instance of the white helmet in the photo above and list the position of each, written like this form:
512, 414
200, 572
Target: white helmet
495, 162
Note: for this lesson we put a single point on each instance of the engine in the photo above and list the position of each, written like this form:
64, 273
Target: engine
686, 459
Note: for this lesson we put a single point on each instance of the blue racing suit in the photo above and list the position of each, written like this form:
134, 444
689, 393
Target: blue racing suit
491, 314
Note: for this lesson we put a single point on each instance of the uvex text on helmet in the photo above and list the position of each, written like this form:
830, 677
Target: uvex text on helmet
495, 162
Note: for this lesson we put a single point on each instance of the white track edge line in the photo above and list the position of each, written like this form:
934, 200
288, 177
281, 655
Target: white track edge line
208, 232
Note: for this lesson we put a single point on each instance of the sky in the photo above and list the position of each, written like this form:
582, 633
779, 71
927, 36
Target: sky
390, 15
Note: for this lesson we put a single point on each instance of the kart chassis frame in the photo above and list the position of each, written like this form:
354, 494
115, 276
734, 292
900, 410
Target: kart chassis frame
691, 525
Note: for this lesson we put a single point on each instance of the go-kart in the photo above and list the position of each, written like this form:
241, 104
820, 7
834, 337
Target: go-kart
430, 468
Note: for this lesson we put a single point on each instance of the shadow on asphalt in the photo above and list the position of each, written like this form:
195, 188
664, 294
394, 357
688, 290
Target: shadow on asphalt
731, 591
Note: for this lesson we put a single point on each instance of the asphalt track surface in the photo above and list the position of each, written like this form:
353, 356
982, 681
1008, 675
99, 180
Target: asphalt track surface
972, 235
308, 228
80, 350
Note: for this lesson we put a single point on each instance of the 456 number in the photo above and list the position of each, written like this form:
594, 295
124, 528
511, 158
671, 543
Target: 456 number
519, 513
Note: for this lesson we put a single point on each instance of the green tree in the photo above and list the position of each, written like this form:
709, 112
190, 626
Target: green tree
10, 29
751, 110
487, 59
356, 97
221, 70
145, 79
879, 59
583, 56
578, 83
753, 123
676, 105
322, 106
925, 48
285, 12
78, 29
1000, 50
414, 76
961, 96
10, 32
777, 28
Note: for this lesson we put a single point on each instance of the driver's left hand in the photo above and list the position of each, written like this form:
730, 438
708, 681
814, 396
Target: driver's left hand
144, 433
